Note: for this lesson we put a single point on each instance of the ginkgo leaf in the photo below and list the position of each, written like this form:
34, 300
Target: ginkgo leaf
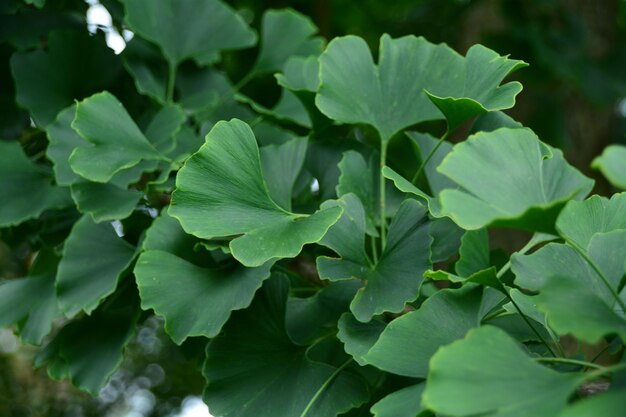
281, 165
31, 301
195, 29
612, 164
397, 276
357, 337
254, 369
116, 141
87, 351
606, 404
163, 127
359, 178
74, 66
288, 109
406, 402
391, 96
403, 347
564, 279
426, 144
220, 192
25, 187
488, 374
581, 220
285, 34
300, 74
509, 178
83, 280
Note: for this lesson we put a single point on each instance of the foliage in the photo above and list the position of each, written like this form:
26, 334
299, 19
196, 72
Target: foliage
330, 249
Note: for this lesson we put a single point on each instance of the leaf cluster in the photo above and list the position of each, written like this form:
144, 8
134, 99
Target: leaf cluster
331, 249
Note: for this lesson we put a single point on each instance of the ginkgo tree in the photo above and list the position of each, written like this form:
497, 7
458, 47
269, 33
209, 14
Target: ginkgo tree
331, 249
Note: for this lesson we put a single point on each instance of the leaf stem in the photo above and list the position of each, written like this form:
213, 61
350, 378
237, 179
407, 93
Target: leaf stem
323, 387
604, 370
429, 156
383, 218
570, 362
171, 81
374, 250
499, 275
600, 274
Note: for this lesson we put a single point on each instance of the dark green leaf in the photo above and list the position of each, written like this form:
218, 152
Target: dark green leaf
254, 370
406, 402
84, 279
612, 164
357, 337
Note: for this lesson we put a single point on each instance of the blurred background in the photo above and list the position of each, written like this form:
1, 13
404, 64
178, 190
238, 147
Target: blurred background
574, 97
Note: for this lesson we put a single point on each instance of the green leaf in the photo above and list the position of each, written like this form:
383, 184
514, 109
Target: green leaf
89, 350
288, 109
31, 302
62, 141
564, 279
607, 404
446, 239
612, 164
488, 374
580, 220
397, 276
509, 178
196, 29
285, 34
25, 187
74, 66
427, 144
390, 96
359, 177
486, 277
104, 202
357, 337
473, 253
163, 127
406, 402
116, 141
483, 71
195, 301
144, 63
221, 192
300, 74
281, 165
254, 359
315, 316
402, 184
407, 344
83, 279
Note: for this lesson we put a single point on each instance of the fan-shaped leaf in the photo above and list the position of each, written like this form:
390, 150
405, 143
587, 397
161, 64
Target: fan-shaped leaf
193, 29
488, 374
509, 178
612, 164
254, 370
221, 192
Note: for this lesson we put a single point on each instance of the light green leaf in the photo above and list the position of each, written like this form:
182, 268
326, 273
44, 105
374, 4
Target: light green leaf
607, 404
509, 178
31, 302
612, 164
397, 276
254, 359
391, 96
358, 337
488, 374
221, 192
83, 279
193, 29
117, 142
564, 279
74, 66
285, 34
406, 402
25, 187
580, 220
89, 350
407, 344
281, 165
